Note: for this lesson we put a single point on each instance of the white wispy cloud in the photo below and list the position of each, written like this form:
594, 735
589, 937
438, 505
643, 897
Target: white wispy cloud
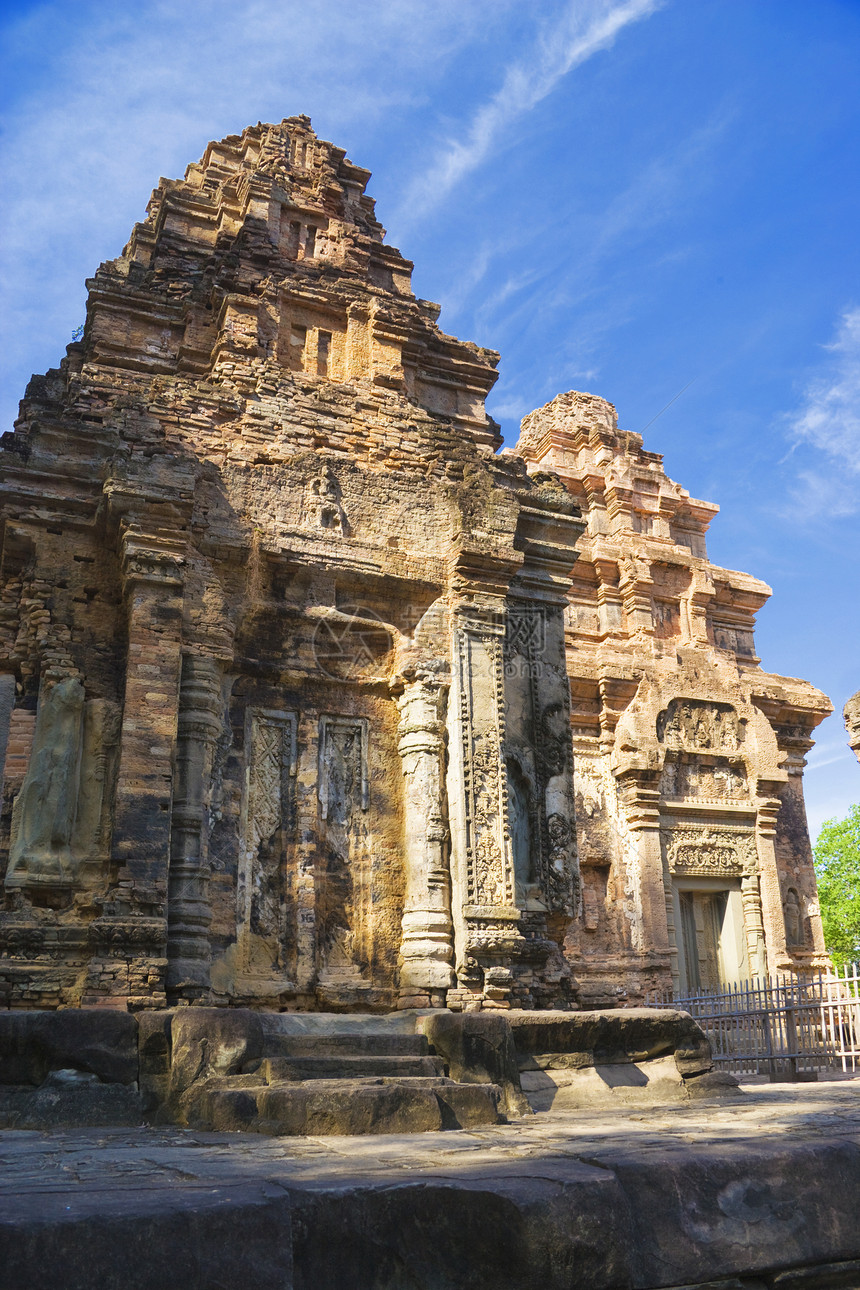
829, 418
99, 104
582, 31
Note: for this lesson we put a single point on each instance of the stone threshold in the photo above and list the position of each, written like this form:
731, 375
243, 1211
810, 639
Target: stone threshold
759, 1194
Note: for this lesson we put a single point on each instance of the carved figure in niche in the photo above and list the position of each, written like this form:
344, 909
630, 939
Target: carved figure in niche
325, 503
262, 898
344, 774
488, 871
561, 857
793, 919
555, 735
697, 726
43, 817
519, 816
560, 837
343, 796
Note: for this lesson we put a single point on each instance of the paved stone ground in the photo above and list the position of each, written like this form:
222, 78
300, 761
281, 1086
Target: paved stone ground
667, 1196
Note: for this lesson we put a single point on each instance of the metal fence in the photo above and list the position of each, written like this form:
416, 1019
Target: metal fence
783, 1026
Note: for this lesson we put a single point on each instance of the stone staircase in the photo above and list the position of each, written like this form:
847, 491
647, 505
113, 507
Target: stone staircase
327, 1075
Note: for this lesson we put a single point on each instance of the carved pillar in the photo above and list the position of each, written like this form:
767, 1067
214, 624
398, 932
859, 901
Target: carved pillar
610, 606
427, 945
636, 586
153, 586
188, 911
753, 925
7, 703
639, 794
771, 895
697, 602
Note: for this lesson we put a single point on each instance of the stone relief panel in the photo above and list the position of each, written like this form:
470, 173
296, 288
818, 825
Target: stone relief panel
480, 693
685, 775
707, 851
266, 935
539, 764
691, 725
323, 505
342, 889
61, 819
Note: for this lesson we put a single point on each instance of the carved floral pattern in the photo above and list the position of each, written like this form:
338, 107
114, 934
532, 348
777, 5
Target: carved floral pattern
708, 851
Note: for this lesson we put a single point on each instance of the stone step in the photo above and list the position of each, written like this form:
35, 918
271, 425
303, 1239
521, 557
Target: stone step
345, 1106
347, 1066
373, 1043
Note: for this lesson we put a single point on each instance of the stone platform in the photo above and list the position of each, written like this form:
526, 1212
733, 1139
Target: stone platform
760, 1193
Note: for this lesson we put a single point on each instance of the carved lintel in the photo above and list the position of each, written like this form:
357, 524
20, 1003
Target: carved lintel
149, 558
709, 851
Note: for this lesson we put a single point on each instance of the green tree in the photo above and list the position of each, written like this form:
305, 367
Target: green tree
837, 867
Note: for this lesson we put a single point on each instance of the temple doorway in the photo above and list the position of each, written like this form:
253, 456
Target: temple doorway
709, 933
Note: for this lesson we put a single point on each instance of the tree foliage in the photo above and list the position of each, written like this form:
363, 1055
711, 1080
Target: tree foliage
837, 867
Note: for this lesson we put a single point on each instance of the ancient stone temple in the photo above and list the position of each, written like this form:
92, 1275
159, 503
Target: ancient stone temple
851, 715
308, 692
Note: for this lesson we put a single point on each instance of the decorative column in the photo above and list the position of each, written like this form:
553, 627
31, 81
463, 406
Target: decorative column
639, 795
427, 946
753, 924
188, 910
153, 577
769, 887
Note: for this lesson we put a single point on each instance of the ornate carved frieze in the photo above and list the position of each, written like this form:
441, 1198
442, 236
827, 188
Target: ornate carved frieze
688, 775
709, 851
692, 725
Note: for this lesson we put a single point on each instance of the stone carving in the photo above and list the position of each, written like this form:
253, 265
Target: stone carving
343, 783
554, 743
297, 463
521, 817
480, 661
851, 715
709, 851
793, 915
188, 912
261, 891
61, 815
44, 813
695, 778
344, 796
426, 948
324, 506
694, 726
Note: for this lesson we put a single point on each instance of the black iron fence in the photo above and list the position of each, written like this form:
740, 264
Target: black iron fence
783, 1026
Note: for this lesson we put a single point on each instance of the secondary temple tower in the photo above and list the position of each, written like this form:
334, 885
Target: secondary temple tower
287, 651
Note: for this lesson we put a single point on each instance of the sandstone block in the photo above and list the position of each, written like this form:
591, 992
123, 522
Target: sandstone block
479, 1049
102, 1042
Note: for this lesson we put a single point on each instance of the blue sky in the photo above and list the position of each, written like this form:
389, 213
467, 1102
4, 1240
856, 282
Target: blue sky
629, 197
